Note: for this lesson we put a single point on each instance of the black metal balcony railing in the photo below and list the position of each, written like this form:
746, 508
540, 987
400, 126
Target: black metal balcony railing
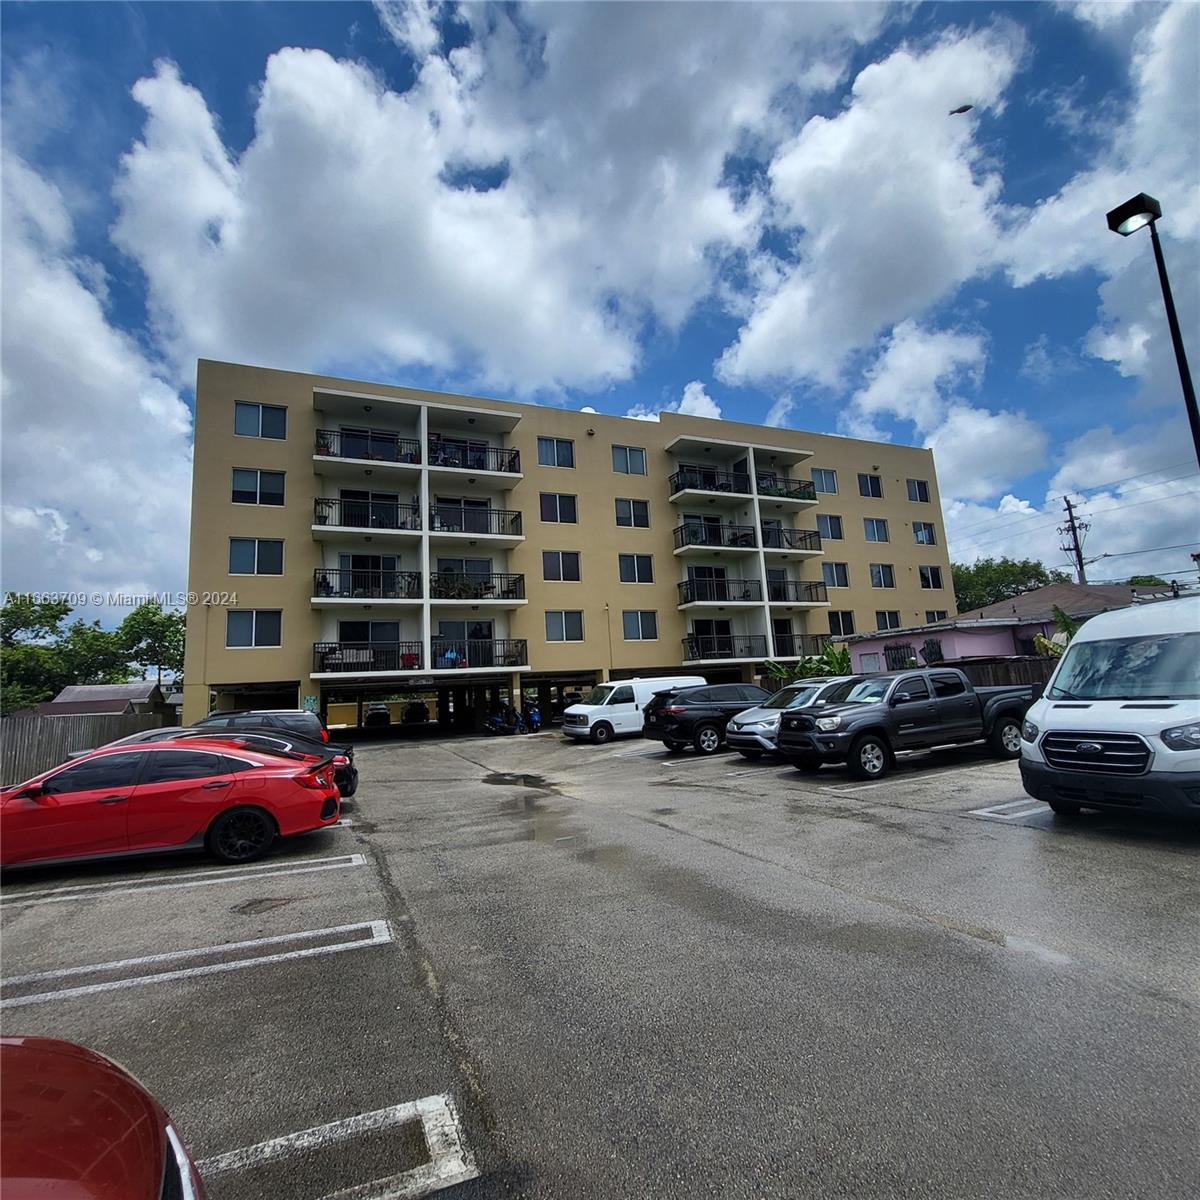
375, 445
770, 484
361, 657
446, 585
367, 514
703, 479
789, 591
472, 457
449, 519
718, 590
699, 647
791, 539
369, 584
800, 645
696, 533
452, 653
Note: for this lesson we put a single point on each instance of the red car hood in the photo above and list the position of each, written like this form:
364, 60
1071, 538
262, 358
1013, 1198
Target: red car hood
75, 1126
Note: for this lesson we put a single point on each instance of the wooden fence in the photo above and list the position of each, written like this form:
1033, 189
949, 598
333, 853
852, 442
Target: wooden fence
31, 745
1001, 672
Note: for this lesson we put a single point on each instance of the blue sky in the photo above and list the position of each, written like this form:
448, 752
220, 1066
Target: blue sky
761, 212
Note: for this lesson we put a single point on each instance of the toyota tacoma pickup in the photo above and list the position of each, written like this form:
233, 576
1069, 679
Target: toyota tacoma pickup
864, 721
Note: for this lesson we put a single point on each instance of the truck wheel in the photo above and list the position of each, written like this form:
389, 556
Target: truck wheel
602, 733
750, 754
1064, 808
707, 739
810, 766
870, 757
1005, 739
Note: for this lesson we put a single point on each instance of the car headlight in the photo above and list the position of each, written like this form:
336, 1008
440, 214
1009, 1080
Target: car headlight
1182, 737
828, 724
770, 723
1029, 732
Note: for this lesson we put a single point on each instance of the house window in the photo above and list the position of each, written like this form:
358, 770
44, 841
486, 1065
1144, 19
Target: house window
556, 452
560, 566
876, 529
636, 568
918, 490
882, 575
841, 624
868, 662
564, 626
257, 487
378, 633
640, 626
924, 533
829, 527
870, 485
931, 577
629, 460
934, 614
634, 513
899, 656
824, 480
260, 420
256, 556
253, 627
887, 619
559, 509
836, 574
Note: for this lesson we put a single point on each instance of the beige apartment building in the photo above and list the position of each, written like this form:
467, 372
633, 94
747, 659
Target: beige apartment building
355, 541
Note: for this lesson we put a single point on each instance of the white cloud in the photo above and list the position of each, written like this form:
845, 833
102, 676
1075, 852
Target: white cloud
777, 417
411, 24
695, 402
587, 408
1043, 362
978, 453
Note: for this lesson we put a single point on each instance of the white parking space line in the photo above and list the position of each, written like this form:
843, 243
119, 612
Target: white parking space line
1020, 808
642, 753
380, 933
450, 1161
190, 879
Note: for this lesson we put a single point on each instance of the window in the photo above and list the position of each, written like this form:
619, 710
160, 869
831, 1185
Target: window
556, 452
260, 420
253, 627
564, 626
830, 528
889, 619
256, 556
934, 614
915, 686
948, 685
931, 577
870, 485
640, 626
166, 765
876, 529
824, 481
841, 623
882, 575
560, 566
918, 491
375, 632
629, 460
924, 533
635, 568
100, 774
836, 574
559, 508
634, 513
257, 487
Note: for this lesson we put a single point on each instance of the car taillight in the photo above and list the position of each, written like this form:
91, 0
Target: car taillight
324, 735
675, 709
313, 779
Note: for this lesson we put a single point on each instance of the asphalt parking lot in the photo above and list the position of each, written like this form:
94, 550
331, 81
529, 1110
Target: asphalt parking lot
527, 967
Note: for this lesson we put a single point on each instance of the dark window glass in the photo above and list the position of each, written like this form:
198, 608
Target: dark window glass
875, 529
245, 486
215, 722
570, 566
556, 452
98, 774
948, 685
841, 623
239, 628
274, 421
699, 696
835, 574
551, 565
754, 694
166, 765
306, 723
824, 480
270, 556
916, 688
622, 695
270, 487
870, 485
887, 619
726, 693
931, 577
918, 491
245, 419
241, 556
268, 627
924, 533
634, 513
573, 626
829, 527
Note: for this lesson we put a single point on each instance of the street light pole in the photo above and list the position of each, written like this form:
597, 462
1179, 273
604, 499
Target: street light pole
1185, 375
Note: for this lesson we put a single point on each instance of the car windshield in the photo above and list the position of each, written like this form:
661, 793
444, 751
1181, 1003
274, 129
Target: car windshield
1164, 666
860, 691
793, 697
598, 695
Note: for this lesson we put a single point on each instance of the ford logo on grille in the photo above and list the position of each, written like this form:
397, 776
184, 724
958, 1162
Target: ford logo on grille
1089, 749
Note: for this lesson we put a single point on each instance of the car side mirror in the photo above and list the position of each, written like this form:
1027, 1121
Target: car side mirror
901, 698
37, 793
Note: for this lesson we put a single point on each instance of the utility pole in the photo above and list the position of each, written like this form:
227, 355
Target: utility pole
1073, 528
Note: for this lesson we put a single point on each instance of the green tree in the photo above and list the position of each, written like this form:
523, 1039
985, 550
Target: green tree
1147, 581
153, 637
833, 660
990, 580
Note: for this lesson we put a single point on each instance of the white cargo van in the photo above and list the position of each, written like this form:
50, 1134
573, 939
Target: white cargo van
1119, 724
615, 708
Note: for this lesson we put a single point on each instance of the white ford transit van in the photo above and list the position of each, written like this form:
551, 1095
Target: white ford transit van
616, 707
1119, 724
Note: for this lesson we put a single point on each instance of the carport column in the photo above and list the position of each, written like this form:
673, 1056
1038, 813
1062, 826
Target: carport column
516, 692
426, 521
762, 559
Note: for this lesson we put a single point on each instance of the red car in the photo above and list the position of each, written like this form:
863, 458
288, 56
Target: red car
76, 1125
187, 794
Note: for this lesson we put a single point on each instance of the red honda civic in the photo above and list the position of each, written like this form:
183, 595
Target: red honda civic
193, 794
78, 1126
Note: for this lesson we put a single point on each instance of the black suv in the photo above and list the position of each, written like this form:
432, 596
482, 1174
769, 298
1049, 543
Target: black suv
297, 720
698, 714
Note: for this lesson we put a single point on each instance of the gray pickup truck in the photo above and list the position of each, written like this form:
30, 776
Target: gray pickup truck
864, 721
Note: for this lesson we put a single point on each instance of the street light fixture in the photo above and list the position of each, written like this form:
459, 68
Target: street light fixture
1128, 218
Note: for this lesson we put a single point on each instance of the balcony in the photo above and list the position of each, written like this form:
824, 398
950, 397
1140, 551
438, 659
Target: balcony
720, 591
780, 487
365, 658
338, 584
800, 645
704, 479
478, 654
792, 592
372, 445
704, 648
697, 535
500, 526
386, 517
802, 541
457, 455
447, 586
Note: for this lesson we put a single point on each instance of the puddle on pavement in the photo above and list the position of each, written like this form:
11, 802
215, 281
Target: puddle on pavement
537, 783
664, 812
250, 908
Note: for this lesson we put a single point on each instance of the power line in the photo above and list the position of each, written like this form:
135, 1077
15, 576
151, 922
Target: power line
1151, 550
1074, 529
